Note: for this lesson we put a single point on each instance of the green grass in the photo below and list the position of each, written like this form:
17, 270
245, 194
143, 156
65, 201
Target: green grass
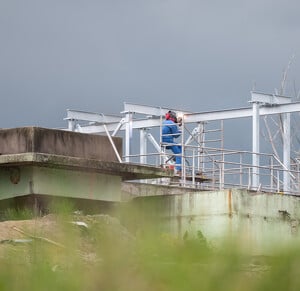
106, 257
17, 214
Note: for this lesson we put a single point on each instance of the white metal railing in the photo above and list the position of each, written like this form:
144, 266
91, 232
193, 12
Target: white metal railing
221, 169
227, 168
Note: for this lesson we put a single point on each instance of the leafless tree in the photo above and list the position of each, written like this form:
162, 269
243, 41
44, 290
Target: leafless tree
273, 132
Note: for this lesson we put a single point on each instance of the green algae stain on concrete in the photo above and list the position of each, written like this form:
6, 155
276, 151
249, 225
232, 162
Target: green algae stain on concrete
28, 180
15, 181
76, 184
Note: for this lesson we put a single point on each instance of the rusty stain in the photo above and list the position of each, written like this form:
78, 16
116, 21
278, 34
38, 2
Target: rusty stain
230, 203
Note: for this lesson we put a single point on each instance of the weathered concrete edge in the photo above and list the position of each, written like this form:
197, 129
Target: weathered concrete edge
58, 142
131, 190
125, 170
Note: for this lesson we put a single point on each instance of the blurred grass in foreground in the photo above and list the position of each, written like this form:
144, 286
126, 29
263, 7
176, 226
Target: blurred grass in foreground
105, 256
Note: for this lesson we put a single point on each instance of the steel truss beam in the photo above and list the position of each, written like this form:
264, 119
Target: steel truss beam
150, 110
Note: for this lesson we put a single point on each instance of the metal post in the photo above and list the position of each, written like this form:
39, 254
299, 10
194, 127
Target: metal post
221, 174
223, 155
241, 170
182, 154
71, 124
255, 145
249, 178
278, 182
193, 169
298, 177
143, 145
271, 174
202, 135
128, 135
200, 141
286, 151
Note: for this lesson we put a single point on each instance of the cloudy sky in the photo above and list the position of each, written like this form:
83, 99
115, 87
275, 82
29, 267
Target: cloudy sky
93, 55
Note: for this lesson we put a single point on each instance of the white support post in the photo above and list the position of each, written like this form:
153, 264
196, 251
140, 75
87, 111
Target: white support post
71, 124
183, 166
143, 145
201, 140
128, 136
255, 145
222, 181
286, 151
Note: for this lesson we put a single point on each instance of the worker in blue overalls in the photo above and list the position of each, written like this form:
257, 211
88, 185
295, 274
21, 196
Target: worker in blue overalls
170, 131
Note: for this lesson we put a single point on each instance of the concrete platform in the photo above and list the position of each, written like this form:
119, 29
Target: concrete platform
39, 161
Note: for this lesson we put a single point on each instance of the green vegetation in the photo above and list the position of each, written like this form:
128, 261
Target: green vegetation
17, 214
105, 256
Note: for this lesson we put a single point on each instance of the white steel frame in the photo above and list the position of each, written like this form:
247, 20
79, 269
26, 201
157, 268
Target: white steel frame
262, 104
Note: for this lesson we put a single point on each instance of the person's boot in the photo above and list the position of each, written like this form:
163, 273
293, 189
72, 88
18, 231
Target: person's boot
179, 173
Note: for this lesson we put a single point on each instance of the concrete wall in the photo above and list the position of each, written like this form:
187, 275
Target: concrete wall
58, 182
260, 221
58, 142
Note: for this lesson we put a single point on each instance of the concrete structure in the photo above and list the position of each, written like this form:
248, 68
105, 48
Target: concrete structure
41, 163
58, 142
259, 222
47, 162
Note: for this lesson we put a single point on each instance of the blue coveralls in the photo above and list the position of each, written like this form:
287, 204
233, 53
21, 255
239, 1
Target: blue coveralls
169, 132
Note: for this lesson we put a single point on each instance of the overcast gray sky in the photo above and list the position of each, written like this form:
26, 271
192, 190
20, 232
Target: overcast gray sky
93, 55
